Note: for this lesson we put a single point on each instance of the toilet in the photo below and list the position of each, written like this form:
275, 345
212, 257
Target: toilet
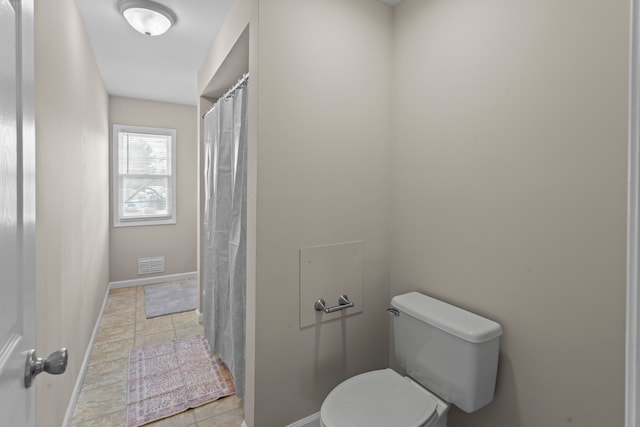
450, 356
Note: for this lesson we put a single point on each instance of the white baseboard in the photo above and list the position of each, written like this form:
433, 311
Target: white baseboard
312, 420
151, 280
83, 369
199, 314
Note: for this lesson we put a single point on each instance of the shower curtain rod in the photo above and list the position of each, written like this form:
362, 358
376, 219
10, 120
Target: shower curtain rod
243, 80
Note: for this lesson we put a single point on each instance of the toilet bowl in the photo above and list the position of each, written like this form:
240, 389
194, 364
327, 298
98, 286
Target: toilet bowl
382, 398
450, 356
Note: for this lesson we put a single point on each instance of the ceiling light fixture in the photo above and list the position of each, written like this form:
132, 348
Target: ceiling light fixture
147, 17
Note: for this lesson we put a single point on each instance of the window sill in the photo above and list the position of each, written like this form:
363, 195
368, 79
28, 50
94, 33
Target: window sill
143, 222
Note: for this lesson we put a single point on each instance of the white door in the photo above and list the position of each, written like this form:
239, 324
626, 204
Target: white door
17, 211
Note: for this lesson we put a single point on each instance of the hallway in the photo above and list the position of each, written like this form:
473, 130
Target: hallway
103, 396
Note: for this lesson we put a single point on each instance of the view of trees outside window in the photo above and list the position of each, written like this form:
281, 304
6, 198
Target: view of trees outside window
144, 172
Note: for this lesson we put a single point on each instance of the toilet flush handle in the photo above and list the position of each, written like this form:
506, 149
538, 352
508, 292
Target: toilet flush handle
393, 312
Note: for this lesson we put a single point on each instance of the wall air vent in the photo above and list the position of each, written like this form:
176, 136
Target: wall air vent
151, 265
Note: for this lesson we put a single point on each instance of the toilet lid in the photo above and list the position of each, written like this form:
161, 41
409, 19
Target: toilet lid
378, 399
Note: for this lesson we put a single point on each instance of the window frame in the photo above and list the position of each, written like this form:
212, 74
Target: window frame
118, 220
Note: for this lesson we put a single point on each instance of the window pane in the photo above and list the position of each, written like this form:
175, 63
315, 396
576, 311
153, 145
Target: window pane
144, 166
144, 154
145, 197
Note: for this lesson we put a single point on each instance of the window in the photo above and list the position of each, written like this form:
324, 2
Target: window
144, 180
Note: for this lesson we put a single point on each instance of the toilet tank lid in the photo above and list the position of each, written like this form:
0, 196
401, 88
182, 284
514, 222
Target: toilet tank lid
449, 318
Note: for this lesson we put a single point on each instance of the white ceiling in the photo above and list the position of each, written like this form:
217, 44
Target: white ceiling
162, 68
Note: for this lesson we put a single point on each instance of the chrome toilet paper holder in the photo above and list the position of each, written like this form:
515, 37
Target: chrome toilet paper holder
343, 303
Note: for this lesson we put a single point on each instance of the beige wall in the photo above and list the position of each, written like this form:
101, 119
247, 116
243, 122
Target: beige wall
509, 192
502, 163
176, 242
319, 169
234, 24
322, 154
72, 197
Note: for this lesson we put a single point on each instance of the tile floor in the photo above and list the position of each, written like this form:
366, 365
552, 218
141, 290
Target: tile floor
103, 397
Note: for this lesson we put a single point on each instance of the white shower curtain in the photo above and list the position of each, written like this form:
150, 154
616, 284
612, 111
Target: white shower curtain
224, 264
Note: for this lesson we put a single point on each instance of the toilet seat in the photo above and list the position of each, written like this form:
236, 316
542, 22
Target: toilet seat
378, 399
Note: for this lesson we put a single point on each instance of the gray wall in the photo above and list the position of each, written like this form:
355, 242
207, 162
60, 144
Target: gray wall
176, 242
72, 197
509, 192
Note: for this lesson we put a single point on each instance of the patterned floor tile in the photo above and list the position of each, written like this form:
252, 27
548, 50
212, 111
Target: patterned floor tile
119, 305
115, 333
217, 407
190, 331
102, 398
232, 418
185, 320
185, 419
144, 340
114, 419
100, 373
99, 401
112, 350
141, 315
116, 319
154, 326
129, 292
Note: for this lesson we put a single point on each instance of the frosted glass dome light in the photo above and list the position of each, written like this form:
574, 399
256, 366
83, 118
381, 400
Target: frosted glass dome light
147, 17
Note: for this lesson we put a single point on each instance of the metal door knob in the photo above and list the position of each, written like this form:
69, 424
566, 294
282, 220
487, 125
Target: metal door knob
55, 364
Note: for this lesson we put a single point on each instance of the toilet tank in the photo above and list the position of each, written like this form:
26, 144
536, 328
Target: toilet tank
450, 351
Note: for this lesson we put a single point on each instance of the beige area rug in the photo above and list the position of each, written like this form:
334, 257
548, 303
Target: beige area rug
169, 378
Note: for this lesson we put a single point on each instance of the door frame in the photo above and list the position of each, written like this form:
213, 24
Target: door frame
632, 365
